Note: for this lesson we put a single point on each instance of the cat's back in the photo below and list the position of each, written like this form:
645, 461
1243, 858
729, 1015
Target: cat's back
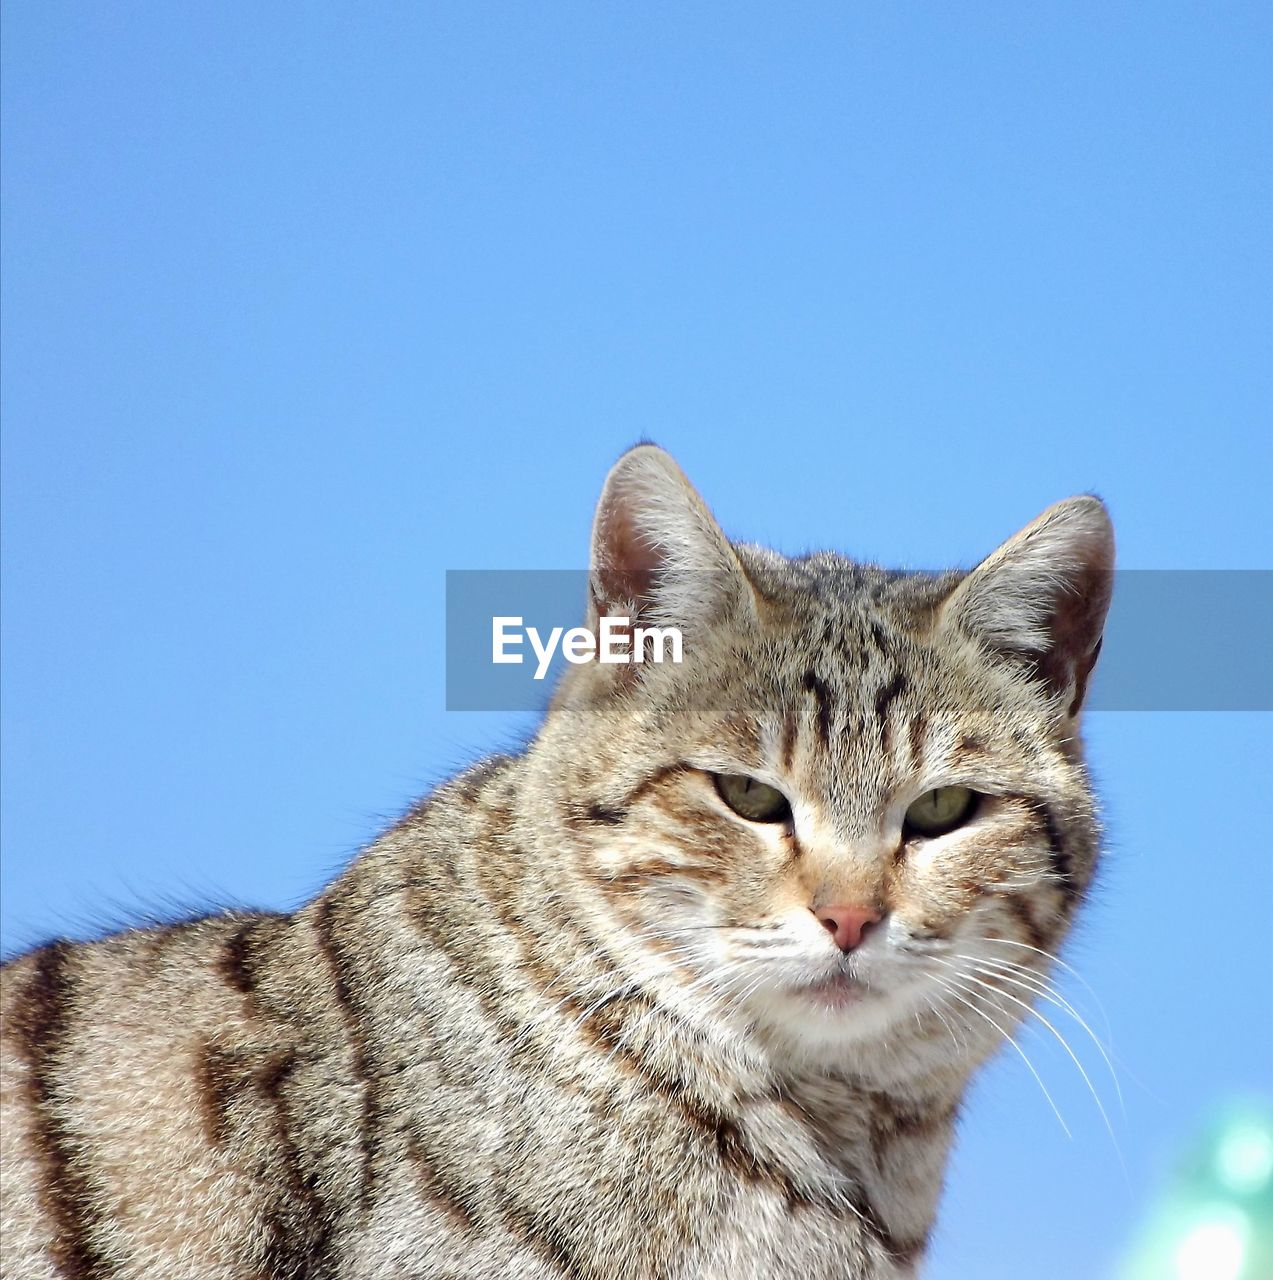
195, 1100
142, 1075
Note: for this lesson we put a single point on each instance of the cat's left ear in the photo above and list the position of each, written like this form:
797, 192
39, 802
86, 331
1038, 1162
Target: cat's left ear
1042, 597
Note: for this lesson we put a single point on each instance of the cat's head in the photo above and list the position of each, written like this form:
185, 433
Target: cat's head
857, 800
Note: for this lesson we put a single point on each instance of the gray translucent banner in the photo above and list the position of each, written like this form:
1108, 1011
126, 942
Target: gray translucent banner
1175, 639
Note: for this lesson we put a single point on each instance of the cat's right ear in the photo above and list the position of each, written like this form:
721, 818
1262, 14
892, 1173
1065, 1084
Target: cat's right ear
1042, 597
658, 556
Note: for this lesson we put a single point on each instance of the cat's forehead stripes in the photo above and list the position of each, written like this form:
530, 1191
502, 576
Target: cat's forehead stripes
817, 687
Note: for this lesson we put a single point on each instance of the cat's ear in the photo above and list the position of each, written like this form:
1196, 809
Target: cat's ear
1042, 596
658, 555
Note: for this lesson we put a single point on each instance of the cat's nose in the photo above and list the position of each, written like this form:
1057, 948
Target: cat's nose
846, 924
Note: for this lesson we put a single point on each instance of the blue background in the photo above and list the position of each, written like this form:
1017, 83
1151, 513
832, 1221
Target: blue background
305, 305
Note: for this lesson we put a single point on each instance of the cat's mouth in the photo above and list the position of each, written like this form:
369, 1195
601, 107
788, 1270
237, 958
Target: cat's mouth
838, 990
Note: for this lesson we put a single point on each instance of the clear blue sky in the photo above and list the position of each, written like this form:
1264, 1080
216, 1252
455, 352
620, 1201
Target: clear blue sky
304, 305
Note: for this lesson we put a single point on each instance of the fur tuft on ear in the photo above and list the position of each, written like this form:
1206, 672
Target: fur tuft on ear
658, 555
1043, 595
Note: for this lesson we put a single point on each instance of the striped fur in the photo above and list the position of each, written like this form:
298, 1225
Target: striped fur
562, 1020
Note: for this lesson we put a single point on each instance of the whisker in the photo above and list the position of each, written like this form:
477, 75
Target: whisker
935, 1005
951, 990
1053, 958
1064, 1043
1030, 980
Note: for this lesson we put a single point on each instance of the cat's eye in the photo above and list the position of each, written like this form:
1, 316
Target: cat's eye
752, 799
940, 810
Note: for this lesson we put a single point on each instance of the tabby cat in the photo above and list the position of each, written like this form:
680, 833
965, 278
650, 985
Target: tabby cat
692, 987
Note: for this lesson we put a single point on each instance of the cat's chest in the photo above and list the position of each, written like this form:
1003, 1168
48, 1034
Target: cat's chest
788, 1206
763, 1235
752, 1235
643, 1189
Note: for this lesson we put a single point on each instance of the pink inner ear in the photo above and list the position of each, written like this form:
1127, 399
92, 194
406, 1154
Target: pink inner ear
1073, 627
627, 564
1076, 633
1043, 595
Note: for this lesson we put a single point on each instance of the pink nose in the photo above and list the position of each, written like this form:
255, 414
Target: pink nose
847, 925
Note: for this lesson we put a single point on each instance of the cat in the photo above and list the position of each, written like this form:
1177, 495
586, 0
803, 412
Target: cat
692, 987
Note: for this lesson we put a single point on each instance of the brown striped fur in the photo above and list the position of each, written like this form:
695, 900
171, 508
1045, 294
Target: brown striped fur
563, 1019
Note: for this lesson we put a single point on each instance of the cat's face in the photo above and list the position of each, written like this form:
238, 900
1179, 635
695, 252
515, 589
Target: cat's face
855, 814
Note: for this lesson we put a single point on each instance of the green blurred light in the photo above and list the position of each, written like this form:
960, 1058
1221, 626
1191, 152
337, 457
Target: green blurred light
1244, 1159
1213, 1220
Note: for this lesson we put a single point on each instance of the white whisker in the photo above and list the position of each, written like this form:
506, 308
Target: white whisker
1029, 979
1064, 1043
951, 990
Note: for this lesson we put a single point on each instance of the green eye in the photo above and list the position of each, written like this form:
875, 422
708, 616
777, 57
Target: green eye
751, 799
940, 810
